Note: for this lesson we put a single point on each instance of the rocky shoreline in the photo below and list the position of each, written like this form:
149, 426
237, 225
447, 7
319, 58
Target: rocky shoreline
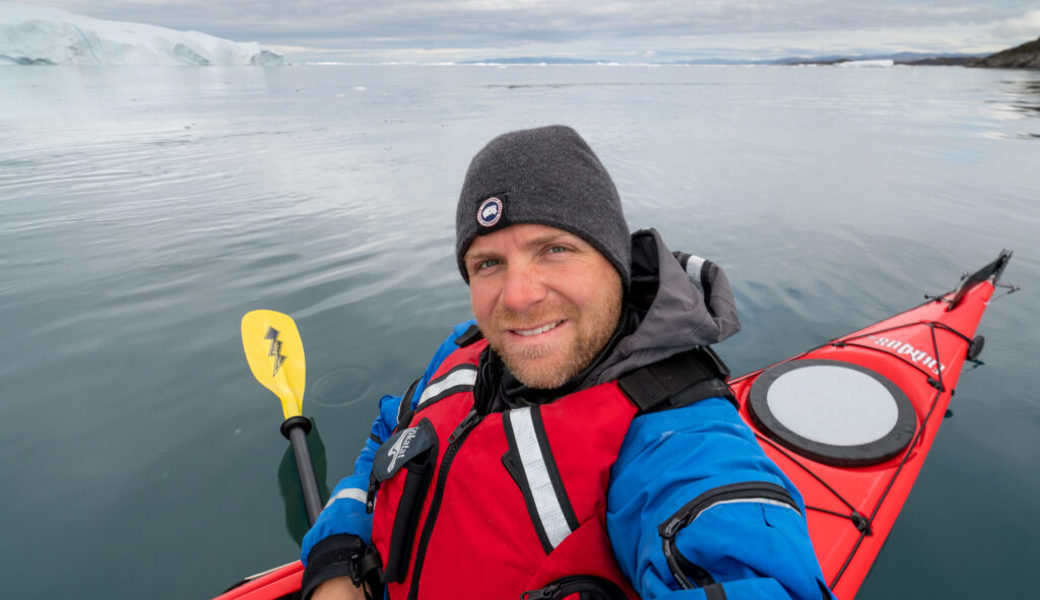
1024, 56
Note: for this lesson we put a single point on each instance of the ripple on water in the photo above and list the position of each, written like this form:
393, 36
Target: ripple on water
341, 386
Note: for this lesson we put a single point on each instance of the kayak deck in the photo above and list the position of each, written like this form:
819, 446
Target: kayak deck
280, 583
853, 500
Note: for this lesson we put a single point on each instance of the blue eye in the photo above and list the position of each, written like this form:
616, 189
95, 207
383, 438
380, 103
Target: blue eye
485, 264
556, 249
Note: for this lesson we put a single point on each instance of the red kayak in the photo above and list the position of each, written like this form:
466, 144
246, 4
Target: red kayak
850, 422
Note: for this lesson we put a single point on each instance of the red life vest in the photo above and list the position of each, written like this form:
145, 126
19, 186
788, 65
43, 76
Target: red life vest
512, 502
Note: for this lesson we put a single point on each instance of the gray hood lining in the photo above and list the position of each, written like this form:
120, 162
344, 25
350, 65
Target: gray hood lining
679, 317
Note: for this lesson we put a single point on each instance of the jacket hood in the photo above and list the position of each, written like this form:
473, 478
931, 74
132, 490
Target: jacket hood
685, 301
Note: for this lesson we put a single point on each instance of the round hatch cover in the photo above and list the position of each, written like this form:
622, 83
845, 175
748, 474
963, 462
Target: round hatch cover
834, 412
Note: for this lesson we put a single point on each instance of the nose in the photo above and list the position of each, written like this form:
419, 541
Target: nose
523, 287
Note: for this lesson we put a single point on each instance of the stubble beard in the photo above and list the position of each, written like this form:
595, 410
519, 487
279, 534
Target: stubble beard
589, 339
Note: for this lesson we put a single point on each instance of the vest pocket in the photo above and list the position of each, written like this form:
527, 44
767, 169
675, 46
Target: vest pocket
418, 473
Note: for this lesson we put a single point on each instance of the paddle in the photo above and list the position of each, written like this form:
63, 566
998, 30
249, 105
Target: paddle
275, 355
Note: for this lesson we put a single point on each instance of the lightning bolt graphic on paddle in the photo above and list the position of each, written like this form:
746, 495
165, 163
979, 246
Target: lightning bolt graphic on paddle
276, 349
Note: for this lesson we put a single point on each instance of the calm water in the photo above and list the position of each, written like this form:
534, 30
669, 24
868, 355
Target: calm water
143, 211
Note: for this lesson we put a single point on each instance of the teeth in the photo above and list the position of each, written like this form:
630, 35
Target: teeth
542, 329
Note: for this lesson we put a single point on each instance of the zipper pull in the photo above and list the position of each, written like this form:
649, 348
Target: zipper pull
668, 530
471, 419
546, 593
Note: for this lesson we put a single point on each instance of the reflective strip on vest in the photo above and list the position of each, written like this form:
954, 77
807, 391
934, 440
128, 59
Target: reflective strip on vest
457, 380
546, 499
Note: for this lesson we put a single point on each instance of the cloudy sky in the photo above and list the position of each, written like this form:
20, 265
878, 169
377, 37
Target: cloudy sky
626, 30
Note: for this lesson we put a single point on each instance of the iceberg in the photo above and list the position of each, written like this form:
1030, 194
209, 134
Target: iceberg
873, 63
40, 35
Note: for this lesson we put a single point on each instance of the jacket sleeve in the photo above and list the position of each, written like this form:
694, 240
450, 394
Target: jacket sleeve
695, 509
345, 513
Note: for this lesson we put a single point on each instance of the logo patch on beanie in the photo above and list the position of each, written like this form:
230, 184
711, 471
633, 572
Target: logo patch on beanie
490, 212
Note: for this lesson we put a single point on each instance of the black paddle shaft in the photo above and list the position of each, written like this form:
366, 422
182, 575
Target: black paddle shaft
296, 429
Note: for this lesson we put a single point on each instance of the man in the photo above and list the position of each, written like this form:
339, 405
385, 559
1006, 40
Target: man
580, 439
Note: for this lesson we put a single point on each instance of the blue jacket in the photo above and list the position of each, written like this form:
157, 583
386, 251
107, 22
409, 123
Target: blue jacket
695, 509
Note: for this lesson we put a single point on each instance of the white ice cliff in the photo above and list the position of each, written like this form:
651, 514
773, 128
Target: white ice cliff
39, 35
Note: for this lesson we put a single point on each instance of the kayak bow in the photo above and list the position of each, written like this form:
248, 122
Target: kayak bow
851, 422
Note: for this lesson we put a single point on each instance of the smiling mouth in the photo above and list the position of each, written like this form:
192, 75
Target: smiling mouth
537, 330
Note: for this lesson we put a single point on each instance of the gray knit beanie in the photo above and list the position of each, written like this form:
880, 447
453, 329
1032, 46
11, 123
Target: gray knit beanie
545, 176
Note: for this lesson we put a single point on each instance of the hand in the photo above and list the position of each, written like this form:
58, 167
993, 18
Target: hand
338, 588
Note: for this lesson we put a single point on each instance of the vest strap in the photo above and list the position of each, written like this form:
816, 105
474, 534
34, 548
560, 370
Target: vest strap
404, 410
471, 335
679, 380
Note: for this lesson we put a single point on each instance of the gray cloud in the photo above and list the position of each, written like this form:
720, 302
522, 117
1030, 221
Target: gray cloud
487, 25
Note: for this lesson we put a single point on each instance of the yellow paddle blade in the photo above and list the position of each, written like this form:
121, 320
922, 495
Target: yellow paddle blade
275, 355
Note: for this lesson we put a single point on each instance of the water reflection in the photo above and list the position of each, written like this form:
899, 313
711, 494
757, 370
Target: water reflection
130, 247
1016, 99
1026, 96
289, 484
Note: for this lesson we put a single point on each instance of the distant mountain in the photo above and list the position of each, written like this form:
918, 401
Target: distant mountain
1026, 56
719, 61
899, 58
533, 60
907, 58
39, 35
945, 61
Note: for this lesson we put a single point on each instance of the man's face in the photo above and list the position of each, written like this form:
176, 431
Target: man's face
545, 299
